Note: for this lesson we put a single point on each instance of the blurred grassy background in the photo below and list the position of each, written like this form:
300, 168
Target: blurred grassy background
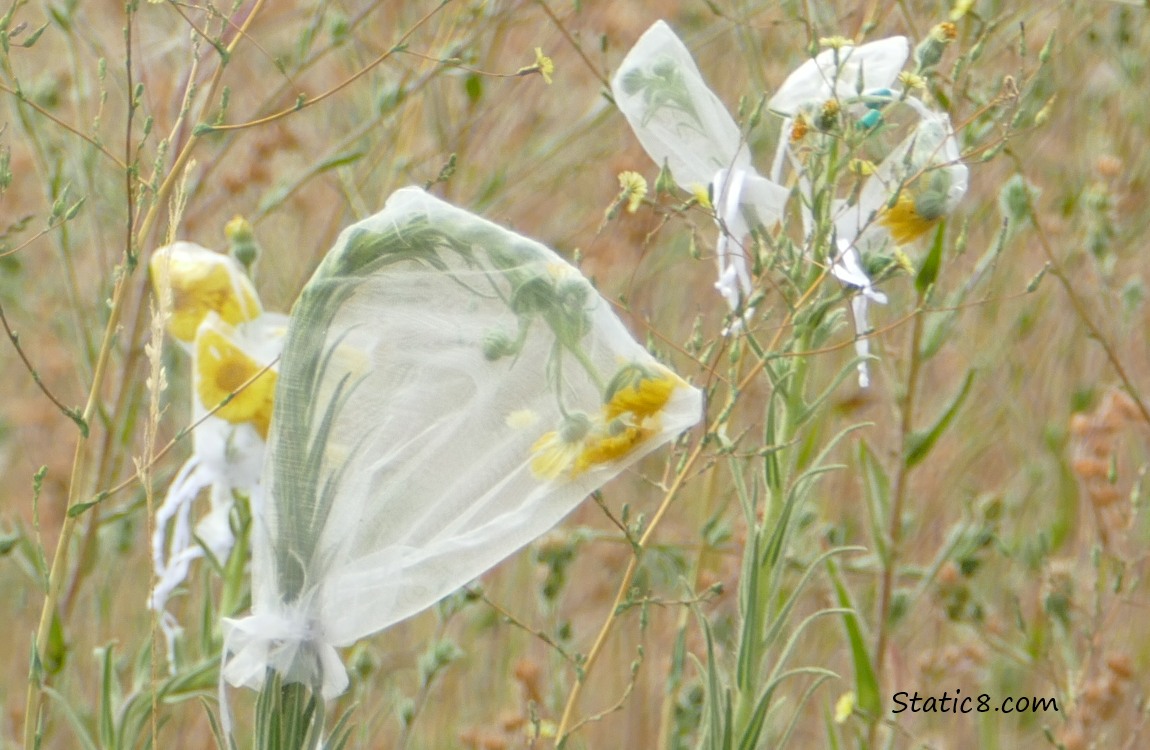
1032, 609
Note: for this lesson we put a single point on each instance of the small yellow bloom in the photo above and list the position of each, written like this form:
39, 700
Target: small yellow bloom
222, 368
640, 391
634, 190
905, 223
544, 65
703, 196
945, 32
634, 400
607, 445
201, 281
552, 456
912, 80
844, 707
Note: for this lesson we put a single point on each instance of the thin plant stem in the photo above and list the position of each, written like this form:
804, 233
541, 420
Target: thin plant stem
574, 44
899, 489
1083, 314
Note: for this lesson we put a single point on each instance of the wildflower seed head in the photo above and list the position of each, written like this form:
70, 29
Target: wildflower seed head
929, 51
799, 129
829, 116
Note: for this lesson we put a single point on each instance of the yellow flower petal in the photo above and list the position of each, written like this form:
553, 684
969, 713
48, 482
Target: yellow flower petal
634, 189
904, 222
222, 368
201, 281
553, 457
545, 65
640, 391
608, 446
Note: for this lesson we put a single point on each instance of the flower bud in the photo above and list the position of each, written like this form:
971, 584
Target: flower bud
242, 242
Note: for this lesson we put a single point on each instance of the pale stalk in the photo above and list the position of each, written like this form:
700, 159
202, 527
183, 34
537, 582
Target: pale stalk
894, 523
668, 710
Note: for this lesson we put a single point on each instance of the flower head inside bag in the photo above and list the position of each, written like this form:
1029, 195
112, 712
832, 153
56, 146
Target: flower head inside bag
448, 391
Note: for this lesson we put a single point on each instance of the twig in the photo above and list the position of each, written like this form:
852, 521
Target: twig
70, 412
303, 102
571, 40
1080, 310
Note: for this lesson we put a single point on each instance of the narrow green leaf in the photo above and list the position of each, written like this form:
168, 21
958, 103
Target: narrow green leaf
57, 650
34, 36
81, 736
107, 725
866, 683
920, 443
76, 416
876, 488
749, 637
473, 85
339, 160
8, 542
80, 508
933, 262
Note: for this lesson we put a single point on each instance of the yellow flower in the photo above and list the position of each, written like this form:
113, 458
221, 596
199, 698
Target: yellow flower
640, 391
609, 444
845, 706
557, 452
634, 189
222, 367
201, 281
702, 195
904, 222
560, 453
544, 64
630, 415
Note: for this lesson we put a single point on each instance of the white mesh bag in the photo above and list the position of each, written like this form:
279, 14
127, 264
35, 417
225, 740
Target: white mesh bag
684, 126
448, 391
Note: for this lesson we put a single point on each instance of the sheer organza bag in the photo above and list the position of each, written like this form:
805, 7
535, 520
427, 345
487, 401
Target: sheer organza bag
448, 391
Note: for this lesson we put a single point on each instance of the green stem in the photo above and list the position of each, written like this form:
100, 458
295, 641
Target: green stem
898, 496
